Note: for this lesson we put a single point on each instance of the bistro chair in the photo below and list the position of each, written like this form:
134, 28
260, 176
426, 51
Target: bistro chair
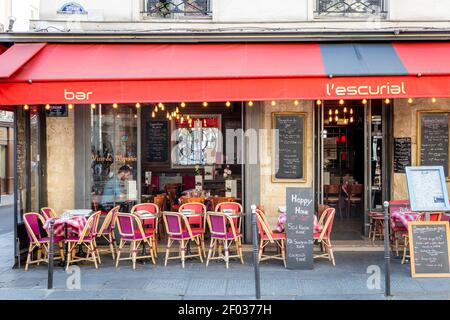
85, 239
150, 225
48, 213
37, 241
266, 237
354, 196
217, 200
434, 216
323, 238
218, 223
106, 231
131, 230
197, 223
178, 229
236, 207
332, 193
320, 213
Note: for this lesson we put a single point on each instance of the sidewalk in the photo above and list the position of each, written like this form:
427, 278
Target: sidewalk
348, 280
7, 200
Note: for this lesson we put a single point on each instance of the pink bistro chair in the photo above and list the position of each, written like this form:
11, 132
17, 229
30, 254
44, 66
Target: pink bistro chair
150, 225
198, 223
237, 208
323, 238
87, 239
217, 223
37, 241
106, 231
48, 213
131, 231
179, 229
267, 236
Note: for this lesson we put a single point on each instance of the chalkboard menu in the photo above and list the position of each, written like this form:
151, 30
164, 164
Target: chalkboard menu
57, 111
299, 228
402, 154
434, 139
429, 247
157, 141
289, 146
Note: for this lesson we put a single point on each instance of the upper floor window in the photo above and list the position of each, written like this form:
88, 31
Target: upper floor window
350, 8
72, 8
177, 8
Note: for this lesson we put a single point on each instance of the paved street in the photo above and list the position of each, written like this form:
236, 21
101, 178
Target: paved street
348, 280
6, 215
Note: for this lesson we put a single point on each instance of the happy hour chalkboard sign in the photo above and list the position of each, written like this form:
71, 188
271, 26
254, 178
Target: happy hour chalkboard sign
289, 148
433, 139
402, 154
429, 248
157, 141
299, 228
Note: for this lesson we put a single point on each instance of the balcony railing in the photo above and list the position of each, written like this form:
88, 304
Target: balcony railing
350, 8
177, 8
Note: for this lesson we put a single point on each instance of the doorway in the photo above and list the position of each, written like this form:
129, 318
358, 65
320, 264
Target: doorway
351, 162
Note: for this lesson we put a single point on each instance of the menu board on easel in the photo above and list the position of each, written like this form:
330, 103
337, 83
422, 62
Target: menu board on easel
433, 139
289, 147
429, 245
157, 141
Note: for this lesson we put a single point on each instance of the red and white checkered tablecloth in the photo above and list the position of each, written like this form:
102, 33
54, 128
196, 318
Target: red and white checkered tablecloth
282, 221
75, 225
404, 217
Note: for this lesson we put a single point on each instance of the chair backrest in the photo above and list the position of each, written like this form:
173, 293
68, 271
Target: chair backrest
176, 223
328, 226
89, 228
48, 213
198, 208
148, 207
236, 207
217, 222
263, 226
32, 220
108, 223
321, 212
128, 224
331, 190
194, 199
356, 189
434, 216
218, 200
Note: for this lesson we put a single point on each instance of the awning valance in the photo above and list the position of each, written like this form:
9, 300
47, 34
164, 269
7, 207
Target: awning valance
127, 73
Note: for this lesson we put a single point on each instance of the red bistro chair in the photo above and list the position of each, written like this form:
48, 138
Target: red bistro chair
217, 223
48, 213
197, 224
179, 229
131, 230
237, 208
266, 237
106, 231
37, 241
324, 237
150, 225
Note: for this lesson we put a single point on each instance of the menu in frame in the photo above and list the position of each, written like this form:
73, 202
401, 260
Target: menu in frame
157, 141
402, 154
289, 147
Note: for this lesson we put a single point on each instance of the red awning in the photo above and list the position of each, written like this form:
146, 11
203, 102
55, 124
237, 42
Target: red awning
15, 57
127, 73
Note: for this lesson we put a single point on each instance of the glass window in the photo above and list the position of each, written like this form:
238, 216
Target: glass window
198, 141
113, 156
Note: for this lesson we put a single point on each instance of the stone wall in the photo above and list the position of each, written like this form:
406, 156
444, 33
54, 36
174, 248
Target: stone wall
60, 163
405, 125
273, 194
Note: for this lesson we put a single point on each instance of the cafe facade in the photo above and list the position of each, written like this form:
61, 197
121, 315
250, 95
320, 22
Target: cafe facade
343, 112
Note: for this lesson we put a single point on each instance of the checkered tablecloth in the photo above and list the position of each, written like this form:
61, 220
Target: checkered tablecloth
74, 225
282, 221
404, 217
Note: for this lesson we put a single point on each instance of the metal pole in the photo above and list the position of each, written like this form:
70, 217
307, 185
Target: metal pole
255, 254
387, 252
50, 256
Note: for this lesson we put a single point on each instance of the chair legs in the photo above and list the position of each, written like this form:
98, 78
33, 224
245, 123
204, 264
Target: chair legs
92, 254
328, 254
134, 248
42, 254
280, 255
182, 250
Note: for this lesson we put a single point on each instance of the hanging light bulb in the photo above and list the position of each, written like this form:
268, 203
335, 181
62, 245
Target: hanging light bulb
351, 119
318, 102
182, 120
250, 103
336, 118
167, 115
330, 112
433, 100
387, 101
345, 121
341, 102
336, 111
351, 110
177, 110
170, 118
273, 103
364, 101
228, 104
410, 100
153, 114
26, 107
183, 104
138, 105
115, 106
70, 106
205, 104
330, 119
47, 107
93, 106
296, 102
177, 116
345, 109
135, 116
